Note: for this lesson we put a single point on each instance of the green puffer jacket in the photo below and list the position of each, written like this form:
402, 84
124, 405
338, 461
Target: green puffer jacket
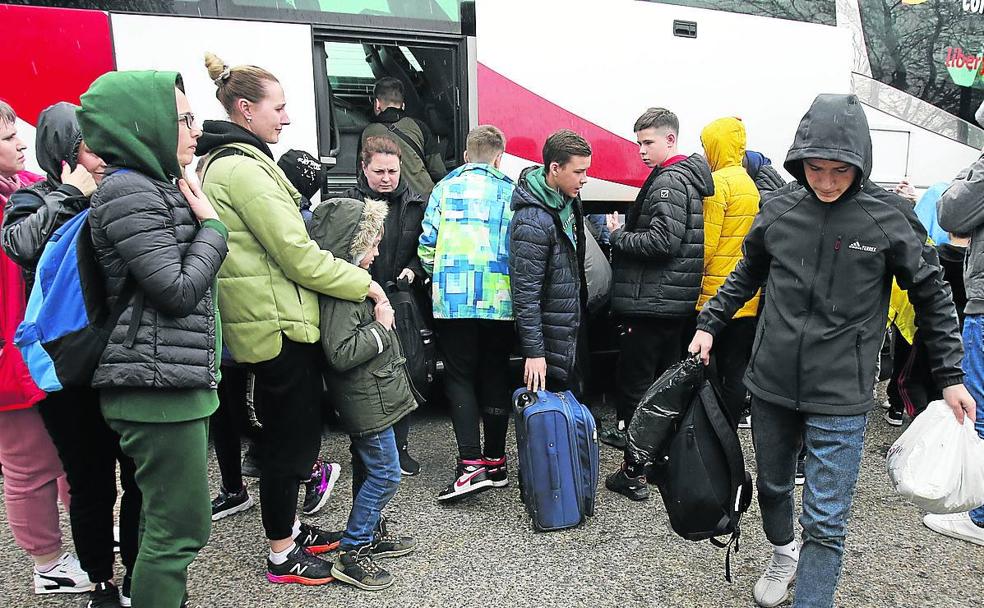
270, 281
366, 369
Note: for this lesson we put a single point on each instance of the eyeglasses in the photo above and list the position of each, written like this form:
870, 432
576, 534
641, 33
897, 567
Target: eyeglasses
188, 118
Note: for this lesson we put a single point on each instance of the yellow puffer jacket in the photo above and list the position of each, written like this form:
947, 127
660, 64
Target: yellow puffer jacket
729, 212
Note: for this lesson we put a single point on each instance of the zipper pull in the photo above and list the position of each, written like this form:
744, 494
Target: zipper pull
837, 244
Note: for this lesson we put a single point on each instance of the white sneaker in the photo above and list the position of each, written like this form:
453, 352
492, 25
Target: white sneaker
772, 588
956, 525
66, 577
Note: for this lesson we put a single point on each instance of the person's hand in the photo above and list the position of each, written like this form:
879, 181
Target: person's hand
613, 222
960, 401
384, 314
701, 345
406, 274
199, 203
905, 189
535, 374
79, 178
376, 293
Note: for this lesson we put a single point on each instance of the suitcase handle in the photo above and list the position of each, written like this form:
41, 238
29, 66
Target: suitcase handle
553, 464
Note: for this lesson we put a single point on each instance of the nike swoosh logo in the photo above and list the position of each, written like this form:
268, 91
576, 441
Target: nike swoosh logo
460, 484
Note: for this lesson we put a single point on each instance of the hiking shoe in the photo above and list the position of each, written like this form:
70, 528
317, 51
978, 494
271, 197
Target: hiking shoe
318, 489
633, 488
226, 503
497, 471
125, 593
615, 436
356, 567
390, 545
800, 478
104, 595
318, 541
251, 462
67, 576
301, 568
772, 588
408, 465
894, 417
471, 478
956, 525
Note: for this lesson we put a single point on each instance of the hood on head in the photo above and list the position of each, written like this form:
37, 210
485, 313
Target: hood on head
698, 173
130, 119
217, 133
57, 140
347, 227
754, 161
724, 143
834, 128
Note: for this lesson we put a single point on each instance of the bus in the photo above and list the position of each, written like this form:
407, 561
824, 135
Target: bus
531, 67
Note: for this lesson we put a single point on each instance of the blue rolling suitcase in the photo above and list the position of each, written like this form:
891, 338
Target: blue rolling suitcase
558, 458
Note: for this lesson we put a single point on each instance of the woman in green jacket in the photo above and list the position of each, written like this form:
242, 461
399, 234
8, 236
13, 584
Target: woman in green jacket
269, 290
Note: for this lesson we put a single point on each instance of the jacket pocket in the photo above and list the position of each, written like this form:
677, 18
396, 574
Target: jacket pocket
391, 383
833, 267
857, 352
758, 341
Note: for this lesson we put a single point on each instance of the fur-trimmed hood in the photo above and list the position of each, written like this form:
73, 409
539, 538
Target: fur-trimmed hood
347, 227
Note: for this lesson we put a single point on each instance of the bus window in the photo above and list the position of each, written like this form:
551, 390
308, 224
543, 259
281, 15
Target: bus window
448, 11
159, 7
814, 11
933, 50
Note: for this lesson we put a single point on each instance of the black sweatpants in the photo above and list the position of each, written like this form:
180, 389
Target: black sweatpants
290, 441
911, 386
89, 451
732, 351
230, 423
647, 348
476, 381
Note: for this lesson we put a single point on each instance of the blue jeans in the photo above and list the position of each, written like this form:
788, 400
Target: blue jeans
833, 459
973, 366
380, 461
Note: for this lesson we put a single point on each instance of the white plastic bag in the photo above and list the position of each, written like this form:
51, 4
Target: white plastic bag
937, 464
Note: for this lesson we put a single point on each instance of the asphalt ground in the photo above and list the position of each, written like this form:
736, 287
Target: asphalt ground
483, 552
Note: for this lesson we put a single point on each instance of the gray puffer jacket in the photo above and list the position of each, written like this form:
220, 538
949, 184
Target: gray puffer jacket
144, 230
658, 256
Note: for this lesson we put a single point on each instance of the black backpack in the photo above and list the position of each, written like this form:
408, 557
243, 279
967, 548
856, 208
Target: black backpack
701, 474
416, 339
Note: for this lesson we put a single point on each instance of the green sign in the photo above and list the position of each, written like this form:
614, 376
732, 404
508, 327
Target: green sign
966, 70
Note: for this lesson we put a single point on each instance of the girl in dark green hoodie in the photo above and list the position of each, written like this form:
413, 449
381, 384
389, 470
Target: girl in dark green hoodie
160, 240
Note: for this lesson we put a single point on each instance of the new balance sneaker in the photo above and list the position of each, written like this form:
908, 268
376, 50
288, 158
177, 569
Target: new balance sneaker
318, 489
894, 416
956, 525
228, 503
408, 465
772, 589
356, 567
497, 471
471, 478
633, 488
66, 576
318, 541
301, 568
615, 436
800, 478
104, 595
390, 545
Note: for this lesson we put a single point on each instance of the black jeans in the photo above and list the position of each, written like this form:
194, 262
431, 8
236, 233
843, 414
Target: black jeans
291, 386
732, 350
229, 423
647, 348
476, 381
89, 451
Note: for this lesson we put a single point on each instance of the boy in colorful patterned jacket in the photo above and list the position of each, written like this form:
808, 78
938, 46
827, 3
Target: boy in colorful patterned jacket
464, 247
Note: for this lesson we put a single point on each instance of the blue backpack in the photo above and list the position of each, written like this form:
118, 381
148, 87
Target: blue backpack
68, 321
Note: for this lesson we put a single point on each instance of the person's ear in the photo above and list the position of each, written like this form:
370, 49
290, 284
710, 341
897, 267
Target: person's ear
243, 106
671, 138
466, 156
497, 160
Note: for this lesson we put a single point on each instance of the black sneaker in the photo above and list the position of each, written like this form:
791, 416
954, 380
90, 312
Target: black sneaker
390, 545
251, 462
226, 503
800, 472
497, 471
318, 489
356, 567
471, 478
894, 416
318, 541
408, 465
301, 568
633, 488
125, 593
104, 595
615, 436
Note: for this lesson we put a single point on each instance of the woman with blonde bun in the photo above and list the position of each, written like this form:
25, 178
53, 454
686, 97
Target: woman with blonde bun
269, 287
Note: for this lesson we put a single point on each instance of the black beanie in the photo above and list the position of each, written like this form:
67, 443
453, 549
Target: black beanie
304, 171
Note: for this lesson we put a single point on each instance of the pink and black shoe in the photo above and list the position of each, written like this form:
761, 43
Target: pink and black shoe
471, 478
497, 471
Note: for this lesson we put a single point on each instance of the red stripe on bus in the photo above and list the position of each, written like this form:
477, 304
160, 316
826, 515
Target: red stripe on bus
54, 53
528, 119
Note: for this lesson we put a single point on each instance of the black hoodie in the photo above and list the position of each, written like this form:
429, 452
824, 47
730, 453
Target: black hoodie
217, 133
829, 268
33, 214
